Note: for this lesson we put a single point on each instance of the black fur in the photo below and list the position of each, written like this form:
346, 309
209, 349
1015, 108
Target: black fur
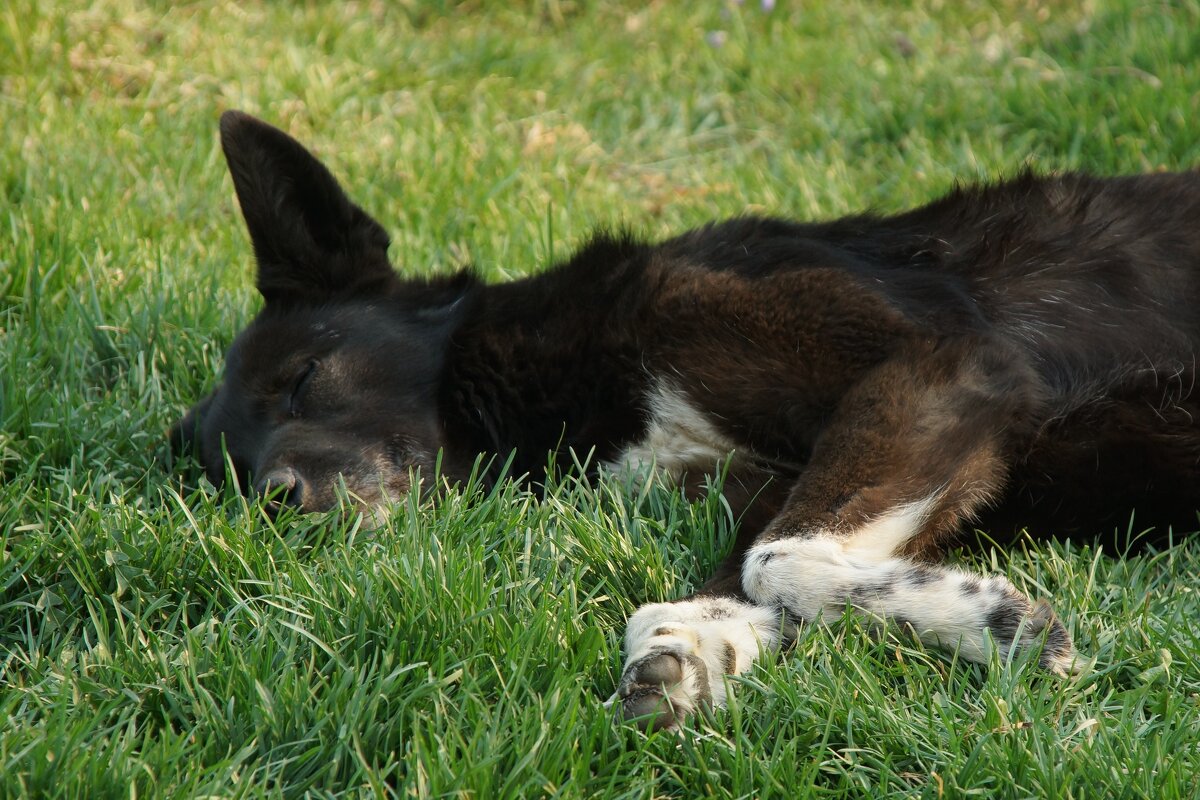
1020, 353
1084, 288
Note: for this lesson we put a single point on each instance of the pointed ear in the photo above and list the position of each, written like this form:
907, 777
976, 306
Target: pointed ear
439, 297
310, 241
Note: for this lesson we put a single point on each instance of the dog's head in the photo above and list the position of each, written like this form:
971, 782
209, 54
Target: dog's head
335, 381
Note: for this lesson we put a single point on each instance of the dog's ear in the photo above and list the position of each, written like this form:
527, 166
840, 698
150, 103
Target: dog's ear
310, 240
437, 298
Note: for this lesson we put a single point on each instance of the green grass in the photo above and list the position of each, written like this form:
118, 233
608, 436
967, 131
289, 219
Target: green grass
157, 640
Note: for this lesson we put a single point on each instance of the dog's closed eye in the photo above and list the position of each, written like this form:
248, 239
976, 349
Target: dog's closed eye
299, 386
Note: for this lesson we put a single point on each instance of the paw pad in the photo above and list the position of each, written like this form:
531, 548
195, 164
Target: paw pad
660, 690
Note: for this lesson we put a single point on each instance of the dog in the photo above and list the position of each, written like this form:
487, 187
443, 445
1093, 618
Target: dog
1018, 351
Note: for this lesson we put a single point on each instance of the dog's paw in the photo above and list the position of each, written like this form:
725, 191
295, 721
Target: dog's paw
1016, 623
663, 687
1058, 651
679, 655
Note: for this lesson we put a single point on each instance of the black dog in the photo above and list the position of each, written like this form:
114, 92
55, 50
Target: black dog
1027, 350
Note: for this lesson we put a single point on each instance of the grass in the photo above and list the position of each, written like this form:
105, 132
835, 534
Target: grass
160, 640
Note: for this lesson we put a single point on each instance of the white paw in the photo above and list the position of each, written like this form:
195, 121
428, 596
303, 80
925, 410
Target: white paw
663, 687
679, 655
947, 607
1015, 623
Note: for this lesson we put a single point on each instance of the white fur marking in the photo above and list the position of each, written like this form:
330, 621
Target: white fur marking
888, 533
712, 628
947, 607
678, 437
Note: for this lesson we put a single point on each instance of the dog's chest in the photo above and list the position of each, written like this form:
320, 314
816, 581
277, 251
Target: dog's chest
679, 437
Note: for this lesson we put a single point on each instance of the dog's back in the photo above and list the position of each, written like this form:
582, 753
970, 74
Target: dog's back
873, 383
1087, 286
1083, 273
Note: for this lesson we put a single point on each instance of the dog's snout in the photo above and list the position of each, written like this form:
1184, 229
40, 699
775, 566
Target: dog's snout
281, 487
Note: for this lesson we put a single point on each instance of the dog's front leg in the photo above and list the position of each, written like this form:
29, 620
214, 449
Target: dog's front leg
678, 654
911, 452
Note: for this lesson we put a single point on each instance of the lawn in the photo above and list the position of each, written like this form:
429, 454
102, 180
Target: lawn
159, 637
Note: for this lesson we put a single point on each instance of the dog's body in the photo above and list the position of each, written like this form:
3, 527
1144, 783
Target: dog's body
1025, 350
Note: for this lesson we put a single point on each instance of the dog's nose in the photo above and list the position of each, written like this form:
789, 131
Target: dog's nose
281, 487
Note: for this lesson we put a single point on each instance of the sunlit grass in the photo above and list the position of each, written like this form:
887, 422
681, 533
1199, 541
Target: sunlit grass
163, 638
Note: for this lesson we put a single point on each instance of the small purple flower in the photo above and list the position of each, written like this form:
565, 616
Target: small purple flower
768, 5
716, 38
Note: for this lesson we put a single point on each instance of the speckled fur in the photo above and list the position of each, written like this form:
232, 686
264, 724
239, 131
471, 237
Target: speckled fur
1024, 351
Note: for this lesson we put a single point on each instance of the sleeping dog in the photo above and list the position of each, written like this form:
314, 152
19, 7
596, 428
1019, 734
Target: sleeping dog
1024, 351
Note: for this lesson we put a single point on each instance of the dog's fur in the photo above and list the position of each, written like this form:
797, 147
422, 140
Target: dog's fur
1024, 351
